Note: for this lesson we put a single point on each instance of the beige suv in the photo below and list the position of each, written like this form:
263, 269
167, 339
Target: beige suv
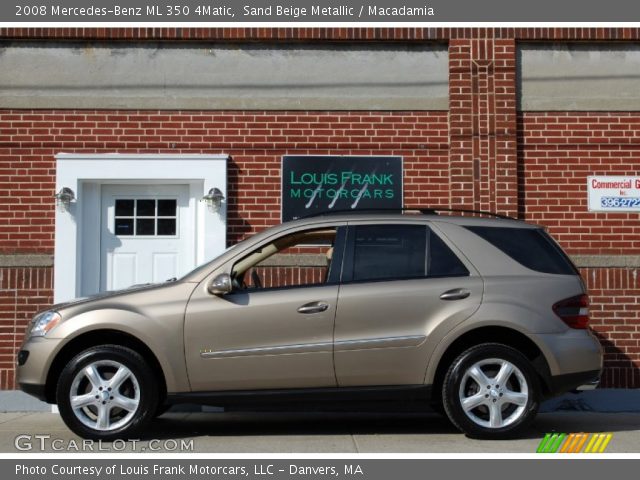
480, 317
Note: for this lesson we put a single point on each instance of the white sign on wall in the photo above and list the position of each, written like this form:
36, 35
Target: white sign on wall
614, 194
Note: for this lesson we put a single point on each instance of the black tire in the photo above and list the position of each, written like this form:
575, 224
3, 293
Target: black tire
436, 405
511, 418
139, 389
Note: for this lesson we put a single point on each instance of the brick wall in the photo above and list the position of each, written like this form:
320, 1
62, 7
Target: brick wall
23, 291
557, 151
255, 140
482, 109
615, 309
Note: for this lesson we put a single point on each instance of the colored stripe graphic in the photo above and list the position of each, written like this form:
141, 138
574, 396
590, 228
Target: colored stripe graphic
606, 442
543, 443
591, 443
581, 442
557, 443
570, 443
574, 443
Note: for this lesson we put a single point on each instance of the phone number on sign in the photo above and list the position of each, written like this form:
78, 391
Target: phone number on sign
620, 202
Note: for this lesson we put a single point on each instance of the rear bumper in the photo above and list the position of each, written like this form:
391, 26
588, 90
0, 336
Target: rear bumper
574, 381
574, 358
591, 385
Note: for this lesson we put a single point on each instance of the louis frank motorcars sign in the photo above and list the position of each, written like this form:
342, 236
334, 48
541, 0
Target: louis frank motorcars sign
614, 194
313, 184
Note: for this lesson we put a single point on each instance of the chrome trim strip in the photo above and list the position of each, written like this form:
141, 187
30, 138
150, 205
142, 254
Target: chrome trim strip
383, 342
275, 350
343, 345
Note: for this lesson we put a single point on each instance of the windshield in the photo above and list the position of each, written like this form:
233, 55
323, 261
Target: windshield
251, 238
206, 264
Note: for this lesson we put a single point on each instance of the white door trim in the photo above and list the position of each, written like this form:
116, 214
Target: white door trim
77, 230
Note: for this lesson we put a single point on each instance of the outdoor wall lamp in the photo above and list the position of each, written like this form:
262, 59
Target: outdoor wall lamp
213, 199
64, 198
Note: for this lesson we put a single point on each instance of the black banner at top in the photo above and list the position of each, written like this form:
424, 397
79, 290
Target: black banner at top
325, 11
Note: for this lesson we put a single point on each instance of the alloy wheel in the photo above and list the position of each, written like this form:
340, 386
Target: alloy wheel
104, 395
493, 393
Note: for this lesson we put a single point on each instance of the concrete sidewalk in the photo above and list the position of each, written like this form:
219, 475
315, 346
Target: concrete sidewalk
317, 432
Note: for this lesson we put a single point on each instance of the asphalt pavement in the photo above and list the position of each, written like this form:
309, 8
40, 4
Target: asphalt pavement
181, 432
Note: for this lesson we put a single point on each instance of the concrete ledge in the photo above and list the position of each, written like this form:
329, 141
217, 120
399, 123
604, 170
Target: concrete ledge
578, 77
606, 261
246, 76
319, 260
295, 260
582, 261
26, 260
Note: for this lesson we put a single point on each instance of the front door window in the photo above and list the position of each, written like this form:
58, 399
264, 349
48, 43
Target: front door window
296, 260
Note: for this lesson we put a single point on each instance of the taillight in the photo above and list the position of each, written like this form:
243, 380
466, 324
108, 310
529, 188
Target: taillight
574, 311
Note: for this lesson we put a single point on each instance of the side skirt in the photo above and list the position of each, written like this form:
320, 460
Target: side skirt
399, 398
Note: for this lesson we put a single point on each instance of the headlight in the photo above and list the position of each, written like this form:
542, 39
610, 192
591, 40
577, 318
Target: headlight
43, 322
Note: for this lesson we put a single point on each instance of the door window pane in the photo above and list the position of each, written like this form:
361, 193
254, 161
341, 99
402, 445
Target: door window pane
124, 208
531, 247
166, 226
390, 252
145, 208
124, 226
299, 259
442, 261
167, 208
145, 226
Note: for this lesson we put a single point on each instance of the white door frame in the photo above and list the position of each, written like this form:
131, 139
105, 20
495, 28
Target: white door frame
76, 262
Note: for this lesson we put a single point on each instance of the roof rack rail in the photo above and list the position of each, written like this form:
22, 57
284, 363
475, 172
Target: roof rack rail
479, 212
423, 210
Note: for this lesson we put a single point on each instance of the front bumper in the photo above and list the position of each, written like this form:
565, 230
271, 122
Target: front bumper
38, 391
32, 368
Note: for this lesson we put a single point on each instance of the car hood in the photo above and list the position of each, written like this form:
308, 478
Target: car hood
106, 295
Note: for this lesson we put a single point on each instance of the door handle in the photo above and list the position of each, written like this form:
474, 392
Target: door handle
455, 294
313, 307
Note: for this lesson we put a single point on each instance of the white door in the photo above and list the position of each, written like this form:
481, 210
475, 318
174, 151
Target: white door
146, 234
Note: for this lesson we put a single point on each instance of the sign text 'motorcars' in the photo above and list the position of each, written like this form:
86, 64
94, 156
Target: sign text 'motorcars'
318, 184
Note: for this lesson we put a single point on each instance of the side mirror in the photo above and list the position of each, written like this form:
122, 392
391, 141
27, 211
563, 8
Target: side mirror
220, 285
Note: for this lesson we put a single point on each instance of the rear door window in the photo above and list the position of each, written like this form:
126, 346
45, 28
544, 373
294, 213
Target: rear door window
384, 252
396, 252
530, 247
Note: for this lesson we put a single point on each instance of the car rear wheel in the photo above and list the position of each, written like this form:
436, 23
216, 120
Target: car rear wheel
491, 391
107, 392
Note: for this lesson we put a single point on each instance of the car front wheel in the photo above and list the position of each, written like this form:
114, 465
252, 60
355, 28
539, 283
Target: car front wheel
491, 391
107, 392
